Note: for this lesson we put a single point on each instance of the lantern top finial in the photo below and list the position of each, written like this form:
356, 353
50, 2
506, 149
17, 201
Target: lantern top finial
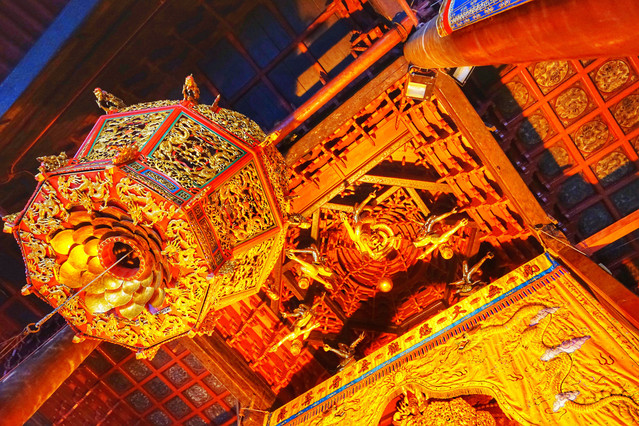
190, 90
108, 102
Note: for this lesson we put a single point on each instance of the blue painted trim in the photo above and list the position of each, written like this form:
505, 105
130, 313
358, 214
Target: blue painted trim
60, 30
417, 345
466, 12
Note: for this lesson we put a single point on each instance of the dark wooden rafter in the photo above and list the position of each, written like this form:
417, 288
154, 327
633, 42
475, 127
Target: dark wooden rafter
347, 110
405, 183
610, 234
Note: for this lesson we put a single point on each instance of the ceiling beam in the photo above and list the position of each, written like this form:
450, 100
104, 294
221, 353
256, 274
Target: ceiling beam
619, 301
405, 183
610, 234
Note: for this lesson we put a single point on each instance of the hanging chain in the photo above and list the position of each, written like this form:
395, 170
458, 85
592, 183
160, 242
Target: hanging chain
13, 342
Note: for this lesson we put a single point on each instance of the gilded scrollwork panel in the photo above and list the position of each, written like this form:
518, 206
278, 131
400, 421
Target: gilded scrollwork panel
192, 154
124, 132
240, 201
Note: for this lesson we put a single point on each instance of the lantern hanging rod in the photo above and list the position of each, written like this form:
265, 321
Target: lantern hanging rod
35, 327
363, 62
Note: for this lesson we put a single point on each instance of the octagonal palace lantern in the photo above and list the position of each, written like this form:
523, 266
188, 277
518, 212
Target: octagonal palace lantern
168, 211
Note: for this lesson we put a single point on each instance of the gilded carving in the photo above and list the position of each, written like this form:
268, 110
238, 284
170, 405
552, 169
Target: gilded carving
107, 101
592, 136
192, 154
306, 320
550, 73
373, 239
124, 132
571, 103
80, 189
50, 163
43, 216
142, 207
241, 201
415, 409
626, 112
612, 75
234, 122
249, 271
317, 270
10, 221
38, 258
432, 240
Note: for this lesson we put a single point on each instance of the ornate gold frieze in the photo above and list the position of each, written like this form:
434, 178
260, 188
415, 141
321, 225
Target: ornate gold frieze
534, 340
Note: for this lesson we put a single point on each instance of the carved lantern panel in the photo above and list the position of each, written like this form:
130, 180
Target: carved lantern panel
168, 211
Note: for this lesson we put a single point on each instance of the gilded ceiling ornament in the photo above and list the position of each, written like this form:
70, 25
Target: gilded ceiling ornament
128, 131
345, 352
374, 240
190, 91
550, 73
626, 112
317, 270
49, 163
306, 320
466, 283
612, 75
192, 154
571, 103
592, 136
430, 239
163, 215
612, 167
554, 160
108, 102
512, 99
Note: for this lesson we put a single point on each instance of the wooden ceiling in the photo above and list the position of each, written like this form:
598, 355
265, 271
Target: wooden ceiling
571, 129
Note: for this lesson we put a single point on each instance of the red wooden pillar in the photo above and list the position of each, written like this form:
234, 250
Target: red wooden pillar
537, 30
27, 387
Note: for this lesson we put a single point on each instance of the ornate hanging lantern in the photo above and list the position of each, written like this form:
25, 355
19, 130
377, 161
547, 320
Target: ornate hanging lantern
169, 210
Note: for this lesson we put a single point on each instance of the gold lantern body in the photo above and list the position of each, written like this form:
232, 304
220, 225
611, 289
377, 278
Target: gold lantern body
168, 211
